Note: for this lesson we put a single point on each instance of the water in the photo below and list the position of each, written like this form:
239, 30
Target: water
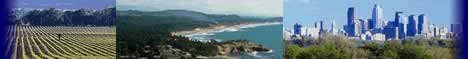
269, 36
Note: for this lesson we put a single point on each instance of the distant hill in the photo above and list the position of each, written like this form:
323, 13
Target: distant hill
216, 19
63, 17
153, 28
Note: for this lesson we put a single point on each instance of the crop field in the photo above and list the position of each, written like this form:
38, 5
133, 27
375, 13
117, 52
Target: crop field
61, 42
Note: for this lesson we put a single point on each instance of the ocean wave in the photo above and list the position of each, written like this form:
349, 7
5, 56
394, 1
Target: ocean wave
199, 34
262, 24
269, 51
254, 54
229, 29
260, 55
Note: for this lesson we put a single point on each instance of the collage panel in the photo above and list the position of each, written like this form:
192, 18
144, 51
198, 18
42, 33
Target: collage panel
370, 29
199, 29
61, 29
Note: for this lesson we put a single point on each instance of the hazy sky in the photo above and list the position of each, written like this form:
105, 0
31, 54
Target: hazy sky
438, 12
239, 7
64, 4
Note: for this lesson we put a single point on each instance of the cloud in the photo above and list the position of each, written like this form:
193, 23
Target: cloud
240, 7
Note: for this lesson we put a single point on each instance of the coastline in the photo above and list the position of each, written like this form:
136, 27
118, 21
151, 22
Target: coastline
199, 34
220, 28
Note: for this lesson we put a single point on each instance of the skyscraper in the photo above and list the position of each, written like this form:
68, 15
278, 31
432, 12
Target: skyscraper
422, 24
452, 29
356, 29
435, 31
333, 30
412, 25
402, 25
297, 29
321, 31
333, 24
377, 17
321, 26
370, 23
391, 32
351, 27
398, 17
351, 15
364, 25
316, 25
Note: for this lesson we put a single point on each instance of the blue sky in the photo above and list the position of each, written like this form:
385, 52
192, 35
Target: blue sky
438, 12
272, 8
64, 4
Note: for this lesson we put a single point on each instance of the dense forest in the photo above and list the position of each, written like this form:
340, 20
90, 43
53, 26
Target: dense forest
61, 17
142, 29
338, 47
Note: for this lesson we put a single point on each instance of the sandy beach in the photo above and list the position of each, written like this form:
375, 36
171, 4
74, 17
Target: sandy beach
220, 28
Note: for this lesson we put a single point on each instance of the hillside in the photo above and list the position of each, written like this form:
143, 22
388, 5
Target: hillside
143, 31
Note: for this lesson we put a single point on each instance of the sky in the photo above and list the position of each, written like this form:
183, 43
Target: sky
271, 8
64, 4
306, 12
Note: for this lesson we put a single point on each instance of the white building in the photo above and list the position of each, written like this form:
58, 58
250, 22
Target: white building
378, 36
443, 32
377, 16
287, 34
310, 32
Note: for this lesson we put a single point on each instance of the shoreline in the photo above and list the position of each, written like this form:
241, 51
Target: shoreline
199, 34
219, 28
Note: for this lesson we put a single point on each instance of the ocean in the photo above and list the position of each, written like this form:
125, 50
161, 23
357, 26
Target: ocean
269, 36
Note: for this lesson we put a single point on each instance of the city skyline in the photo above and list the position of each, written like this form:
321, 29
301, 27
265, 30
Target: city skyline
307, 12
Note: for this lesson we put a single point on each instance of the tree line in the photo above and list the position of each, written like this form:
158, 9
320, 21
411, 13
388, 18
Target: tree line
336, 47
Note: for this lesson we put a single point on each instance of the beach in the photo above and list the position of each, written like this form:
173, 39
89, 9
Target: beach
220, 28
257, 33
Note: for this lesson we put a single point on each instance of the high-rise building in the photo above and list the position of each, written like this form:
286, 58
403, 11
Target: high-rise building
391, 32
333, 30
435, 31
398, 16
443, 32
351, 15
297, 29
364, 25
452, 29
402, 26
455, 28
356, 29
377, 17
322, 30
370, 23
321, 26
351, 27
315, 25
422, 24
412, 26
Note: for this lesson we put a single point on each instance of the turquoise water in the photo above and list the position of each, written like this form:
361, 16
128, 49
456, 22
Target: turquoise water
269, 36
